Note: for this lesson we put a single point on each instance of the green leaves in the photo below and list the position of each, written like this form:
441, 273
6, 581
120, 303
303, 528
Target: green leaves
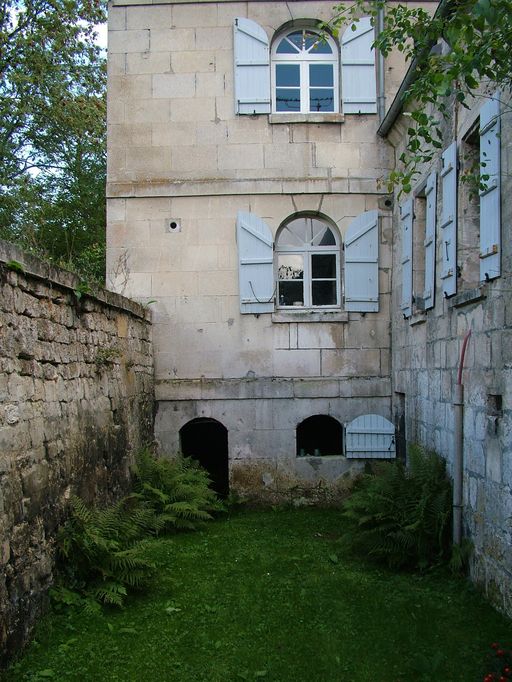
176, 490
401, 516
53, 131
478, 35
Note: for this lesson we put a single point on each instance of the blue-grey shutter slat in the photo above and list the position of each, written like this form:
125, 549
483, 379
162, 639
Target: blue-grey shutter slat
358, 80
406, 218
370, 437
255, 264
362, 264
490, 196
430, 242
449, 220
252, 68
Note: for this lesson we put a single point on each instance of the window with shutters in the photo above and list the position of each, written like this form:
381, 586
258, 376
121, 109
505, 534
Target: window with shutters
479, 234
308, 264
303, 270
305, 73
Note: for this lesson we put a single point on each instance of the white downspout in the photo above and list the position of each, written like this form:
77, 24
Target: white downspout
458, 465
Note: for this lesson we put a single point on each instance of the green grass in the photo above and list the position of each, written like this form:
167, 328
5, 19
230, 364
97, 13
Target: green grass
268, 595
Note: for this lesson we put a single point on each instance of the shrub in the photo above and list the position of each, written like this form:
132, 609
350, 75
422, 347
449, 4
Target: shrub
177, 491
401, 515
101, 553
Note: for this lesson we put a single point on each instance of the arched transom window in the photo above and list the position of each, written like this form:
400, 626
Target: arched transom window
308, 264
305, 68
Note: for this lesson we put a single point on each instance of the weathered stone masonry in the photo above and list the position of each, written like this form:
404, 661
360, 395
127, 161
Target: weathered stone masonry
76, 398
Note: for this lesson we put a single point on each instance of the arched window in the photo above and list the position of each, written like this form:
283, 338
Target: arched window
319, 436
308, 263
305, 73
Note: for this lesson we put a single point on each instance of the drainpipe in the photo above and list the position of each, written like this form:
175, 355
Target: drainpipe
458, 408
381, 96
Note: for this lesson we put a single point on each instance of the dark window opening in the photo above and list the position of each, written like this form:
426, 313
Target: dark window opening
468, 236
494, 405
418, 246
319, 436
401, 449
206, 441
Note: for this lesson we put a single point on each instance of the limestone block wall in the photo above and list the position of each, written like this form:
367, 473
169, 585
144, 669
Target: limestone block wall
178, 153
425, 360
76, 400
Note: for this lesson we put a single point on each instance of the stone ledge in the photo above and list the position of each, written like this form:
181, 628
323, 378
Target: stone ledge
301, 316
468, 297
321, 183
245, 388
306, 118
33, 266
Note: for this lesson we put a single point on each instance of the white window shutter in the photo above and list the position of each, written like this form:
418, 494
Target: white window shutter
490, 197
362, 264
406, 219
255, 264
358, 80
449, 220
252, 68
370, 437
430, 242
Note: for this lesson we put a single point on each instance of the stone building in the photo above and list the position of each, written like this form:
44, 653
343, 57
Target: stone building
244, 201
298, 310
452, 264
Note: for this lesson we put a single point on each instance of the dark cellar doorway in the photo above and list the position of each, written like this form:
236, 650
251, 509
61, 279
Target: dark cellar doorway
206, 441
319, 436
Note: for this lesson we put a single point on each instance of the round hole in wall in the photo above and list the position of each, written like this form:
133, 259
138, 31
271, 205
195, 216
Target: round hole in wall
173, 225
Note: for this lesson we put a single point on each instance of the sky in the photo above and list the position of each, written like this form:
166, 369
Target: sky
101, 30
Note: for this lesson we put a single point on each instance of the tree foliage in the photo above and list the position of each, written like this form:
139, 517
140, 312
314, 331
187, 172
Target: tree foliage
52, 129
471, 58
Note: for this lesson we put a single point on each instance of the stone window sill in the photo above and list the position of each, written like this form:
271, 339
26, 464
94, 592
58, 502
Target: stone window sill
306, 118
309, 316
468, 297
417, 318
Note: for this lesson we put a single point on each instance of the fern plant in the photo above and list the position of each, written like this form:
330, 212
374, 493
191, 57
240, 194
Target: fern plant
402, 516
101, 552
177, 491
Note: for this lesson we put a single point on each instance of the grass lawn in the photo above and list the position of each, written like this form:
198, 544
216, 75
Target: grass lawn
268, 595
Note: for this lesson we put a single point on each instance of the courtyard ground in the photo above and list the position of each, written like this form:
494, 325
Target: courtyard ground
270, 595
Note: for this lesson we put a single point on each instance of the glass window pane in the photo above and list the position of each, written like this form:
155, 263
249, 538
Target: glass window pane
291, 293
285, 47
323, 235
321, 75
324, 293
288, 75
316, 45
287, 99
296, 38
323, 266
290, 266
298, 228
321, 100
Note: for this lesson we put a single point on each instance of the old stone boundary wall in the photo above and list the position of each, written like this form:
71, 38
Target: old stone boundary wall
76, 401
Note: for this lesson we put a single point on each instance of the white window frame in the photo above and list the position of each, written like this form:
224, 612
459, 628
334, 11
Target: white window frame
304, 59
307, 251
